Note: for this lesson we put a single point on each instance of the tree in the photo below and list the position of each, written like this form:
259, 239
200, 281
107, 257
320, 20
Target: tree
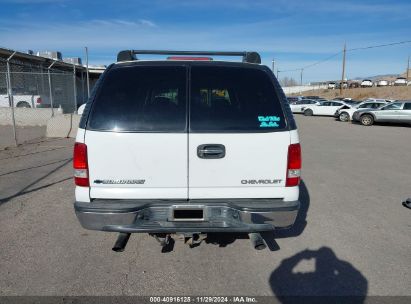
288, 82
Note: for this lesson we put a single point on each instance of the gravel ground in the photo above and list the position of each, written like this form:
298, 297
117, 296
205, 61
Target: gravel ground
352, 236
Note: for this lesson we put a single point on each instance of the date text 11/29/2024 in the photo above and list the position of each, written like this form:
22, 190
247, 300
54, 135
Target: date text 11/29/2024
203, 299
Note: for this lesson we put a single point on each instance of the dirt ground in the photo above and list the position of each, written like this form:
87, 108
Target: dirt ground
401, 93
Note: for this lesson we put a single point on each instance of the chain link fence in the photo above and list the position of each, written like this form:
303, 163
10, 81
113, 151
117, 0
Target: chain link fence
32, 93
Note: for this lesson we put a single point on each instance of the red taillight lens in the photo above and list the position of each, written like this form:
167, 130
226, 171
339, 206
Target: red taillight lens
80, 165
39, 100
294, 165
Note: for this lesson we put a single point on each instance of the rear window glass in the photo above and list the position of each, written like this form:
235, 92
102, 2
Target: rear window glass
233, 99
141, 98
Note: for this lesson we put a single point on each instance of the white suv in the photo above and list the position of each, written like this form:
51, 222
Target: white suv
187, 146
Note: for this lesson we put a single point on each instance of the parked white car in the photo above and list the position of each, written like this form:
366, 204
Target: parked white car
382, 83
298, 106
326, 108
400, 81
345, 112
24, 101
331, 85
366, 83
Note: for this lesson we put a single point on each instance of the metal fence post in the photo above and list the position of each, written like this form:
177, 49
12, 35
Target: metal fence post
82, 87
88, 78
50, 90
10, 95
75, 88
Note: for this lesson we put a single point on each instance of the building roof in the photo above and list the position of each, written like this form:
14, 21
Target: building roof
5, 52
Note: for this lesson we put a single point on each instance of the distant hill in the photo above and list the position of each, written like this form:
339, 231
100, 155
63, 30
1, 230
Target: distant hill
385, 76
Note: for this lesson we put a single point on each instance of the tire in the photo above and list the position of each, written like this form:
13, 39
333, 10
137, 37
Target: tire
308, 112
23, 104
367, 120
344, 116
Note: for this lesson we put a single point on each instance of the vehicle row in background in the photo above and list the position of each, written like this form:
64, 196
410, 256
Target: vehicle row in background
366, 112
368, 83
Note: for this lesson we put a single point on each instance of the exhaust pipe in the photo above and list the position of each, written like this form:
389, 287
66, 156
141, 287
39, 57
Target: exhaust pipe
407, 203
257, 241
121, 242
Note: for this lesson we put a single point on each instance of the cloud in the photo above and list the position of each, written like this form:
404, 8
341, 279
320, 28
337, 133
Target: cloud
147, 23
120, 22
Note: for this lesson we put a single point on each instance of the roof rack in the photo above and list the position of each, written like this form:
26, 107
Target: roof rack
129, 55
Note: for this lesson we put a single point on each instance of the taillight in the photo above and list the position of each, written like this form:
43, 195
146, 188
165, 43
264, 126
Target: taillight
80, 165
39, 100
293, 165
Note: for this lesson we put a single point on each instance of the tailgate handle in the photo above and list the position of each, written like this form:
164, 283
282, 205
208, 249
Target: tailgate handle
211, 151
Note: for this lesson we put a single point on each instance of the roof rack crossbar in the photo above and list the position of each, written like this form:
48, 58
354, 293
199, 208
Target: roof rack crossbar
129, 55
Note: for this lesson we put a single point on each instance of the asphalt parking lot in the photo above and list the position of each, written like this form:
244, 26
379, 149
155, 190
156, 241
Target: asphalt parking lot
23, 134
352, 235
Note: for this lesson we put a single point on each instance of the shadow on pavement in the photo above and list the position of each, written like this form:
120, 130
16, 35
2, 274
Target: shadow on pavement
27, 189
38, 166
330, 277
224, 239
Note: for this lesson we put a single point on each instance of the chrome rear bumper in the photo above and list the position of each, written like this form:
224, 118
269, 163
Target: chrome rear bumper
156, 216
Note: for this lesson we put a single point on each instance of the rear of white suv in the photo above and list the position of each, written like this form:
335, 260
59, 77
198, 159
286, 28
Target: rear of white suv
188, 147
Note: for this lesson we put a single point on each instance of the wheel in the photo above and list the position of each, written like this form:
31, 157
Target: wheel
367, 120
344, 116
308, 112
23, 104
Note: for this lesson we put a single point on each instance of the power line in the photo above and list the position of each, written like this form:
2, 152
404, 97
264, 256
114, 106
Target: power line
312, 64
378, 46
321, 61
348, 50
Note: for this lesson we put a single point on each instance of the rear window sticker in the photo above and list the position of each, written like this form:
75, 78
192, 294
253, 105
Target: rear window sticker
269, 121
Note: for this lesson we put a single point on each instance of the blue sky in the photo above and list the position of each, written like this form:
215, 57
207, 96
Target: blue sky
294, 33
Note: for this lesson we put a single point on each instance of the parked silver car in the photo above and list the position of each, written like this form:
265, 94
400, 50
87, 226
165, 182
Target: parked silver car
397, 112
345, 113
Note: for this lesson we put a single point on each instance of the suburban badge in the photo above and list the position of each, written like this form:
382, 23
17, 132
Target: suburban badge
120, 181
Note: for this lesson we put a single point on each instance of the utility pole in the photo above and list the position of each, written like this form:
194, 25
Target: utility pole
343, 70
301, 77
75, 88
301, 80
408, 68
272, 68
277, 73
88, 78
